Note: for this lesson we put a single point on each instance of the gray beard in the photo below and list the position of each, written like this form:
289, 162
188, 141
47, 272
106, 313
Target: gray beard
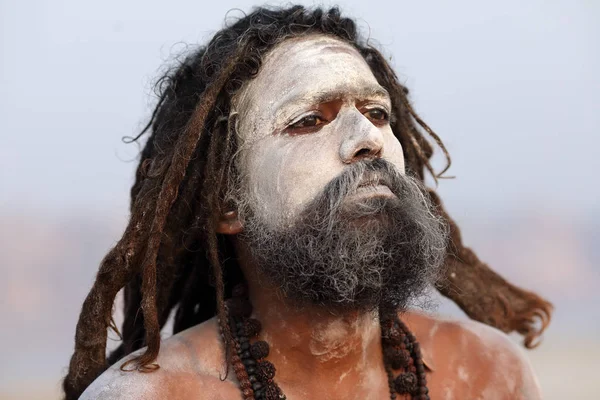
354, 255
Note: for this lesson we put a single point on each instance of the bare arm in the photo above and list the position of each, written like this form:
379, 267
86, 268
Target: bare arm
170, 381
528, 387
114, 384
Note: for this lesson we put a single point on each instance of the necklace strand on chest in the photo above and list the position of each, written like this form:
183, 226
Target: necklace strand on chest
401, 351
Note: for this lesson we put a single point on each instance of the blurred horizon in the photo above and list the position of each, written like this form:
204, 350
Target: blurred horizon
512, 88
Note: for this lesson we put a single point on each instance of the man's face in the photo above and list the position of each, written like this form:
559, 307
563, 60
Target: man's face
328, 214
314, 108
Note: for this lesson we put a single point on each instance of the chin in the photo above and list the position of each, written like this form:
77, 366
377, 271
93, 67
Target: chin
370, 222
373, 210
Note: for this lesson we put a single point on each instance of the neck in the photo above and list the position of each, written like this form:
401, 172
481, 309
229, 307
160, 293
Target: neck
310, 343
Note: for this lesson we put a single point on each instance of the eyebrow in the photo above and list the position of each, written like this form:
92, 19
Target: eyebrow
364, 92
339, 93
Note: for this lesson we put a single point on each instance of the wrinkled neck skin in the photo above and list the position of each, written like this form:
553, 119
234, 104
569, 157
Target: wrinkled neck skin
313, 350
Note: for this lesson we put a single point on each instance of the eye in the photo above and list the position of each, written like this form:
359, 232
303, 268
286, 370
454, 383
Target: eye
308, 123
377, 114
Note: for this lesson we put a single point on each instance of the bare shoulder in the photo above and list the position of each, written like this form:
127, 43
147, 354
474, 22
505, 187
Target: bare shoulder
191, 367
475, 357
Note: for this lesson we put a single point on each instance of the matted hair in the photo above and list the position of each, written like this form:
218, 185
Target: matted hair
170, 256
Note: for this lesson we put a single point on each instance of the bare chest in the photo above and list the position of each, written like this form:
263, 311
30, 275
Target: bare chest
459, 384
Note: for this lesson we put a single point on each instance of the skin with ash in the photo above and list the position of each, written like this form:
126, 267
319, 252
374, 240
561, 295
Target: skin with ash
322, 214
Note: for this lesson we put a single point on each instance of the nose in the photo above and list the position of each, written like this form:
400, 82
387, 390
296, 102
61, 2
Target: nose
360, 138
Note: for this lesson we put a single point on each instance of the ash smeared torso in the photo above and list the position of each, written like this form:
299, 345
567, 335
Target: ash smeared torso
467, 360
472, 361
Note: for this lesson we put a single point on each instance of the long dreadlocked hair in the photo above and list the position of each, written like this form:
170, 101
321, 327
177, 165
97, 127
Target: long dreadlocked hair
170, 257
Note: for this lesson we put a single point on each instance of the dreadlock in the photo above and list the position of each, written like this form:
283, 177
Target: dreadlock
170, 256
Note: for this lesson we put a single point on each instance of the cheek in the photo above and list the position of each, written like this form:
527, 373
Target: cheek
313, 163
285, 173
393, 150
266, 174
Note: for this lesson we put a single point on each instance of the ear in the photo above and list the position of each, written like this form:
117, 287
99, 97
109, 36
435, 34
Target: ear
229, 224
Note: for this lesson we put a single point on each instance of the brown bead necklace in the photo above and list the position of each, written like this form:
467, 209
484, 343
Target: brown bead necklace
400, 351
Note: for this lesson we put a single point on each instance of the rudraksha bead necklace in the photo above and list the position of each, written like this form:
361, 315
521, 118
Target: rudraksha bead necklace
400, 351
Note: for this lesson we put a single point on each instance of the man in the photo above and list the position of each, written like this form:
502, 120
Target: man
279, 212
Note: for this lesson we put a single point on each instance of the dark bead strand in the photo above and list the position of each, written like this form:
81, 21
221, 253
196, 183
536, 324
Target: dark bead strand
273, 392
399, 345
240, 291
421, 392
390, 375
251, 327
250, 367
406, 382
259, 350
247, 358
239, 367
243, 378
260, 372
393, 335
265, 371
239, 307
395, 345
250, 386
397, 357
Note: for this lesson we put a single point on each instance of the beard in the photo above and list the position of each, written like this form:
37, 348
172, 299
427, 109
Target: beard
347, 251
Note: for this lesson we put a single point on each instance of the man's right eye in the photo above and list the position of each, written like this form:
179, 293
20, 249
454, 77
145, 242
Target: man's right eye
308, 122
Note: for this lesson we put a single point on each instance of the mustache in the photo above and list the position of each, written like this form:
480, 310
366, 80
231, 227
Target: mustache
365, 173
361, 173
323, 212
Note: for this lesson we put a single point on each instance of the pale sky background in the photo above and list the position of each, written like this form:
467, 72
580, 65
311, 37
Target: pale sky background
512, 88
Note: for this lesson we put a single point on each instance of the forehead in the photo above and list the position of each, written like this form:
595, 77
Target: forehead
311, 50
300, 56
300, 70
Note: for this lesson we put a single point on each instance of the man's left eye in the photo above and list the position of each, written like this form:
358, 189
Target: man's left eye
377, 114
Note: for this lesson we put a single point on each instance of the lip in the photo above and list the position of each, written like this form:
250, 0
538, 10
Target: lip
371, 182
373, 189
